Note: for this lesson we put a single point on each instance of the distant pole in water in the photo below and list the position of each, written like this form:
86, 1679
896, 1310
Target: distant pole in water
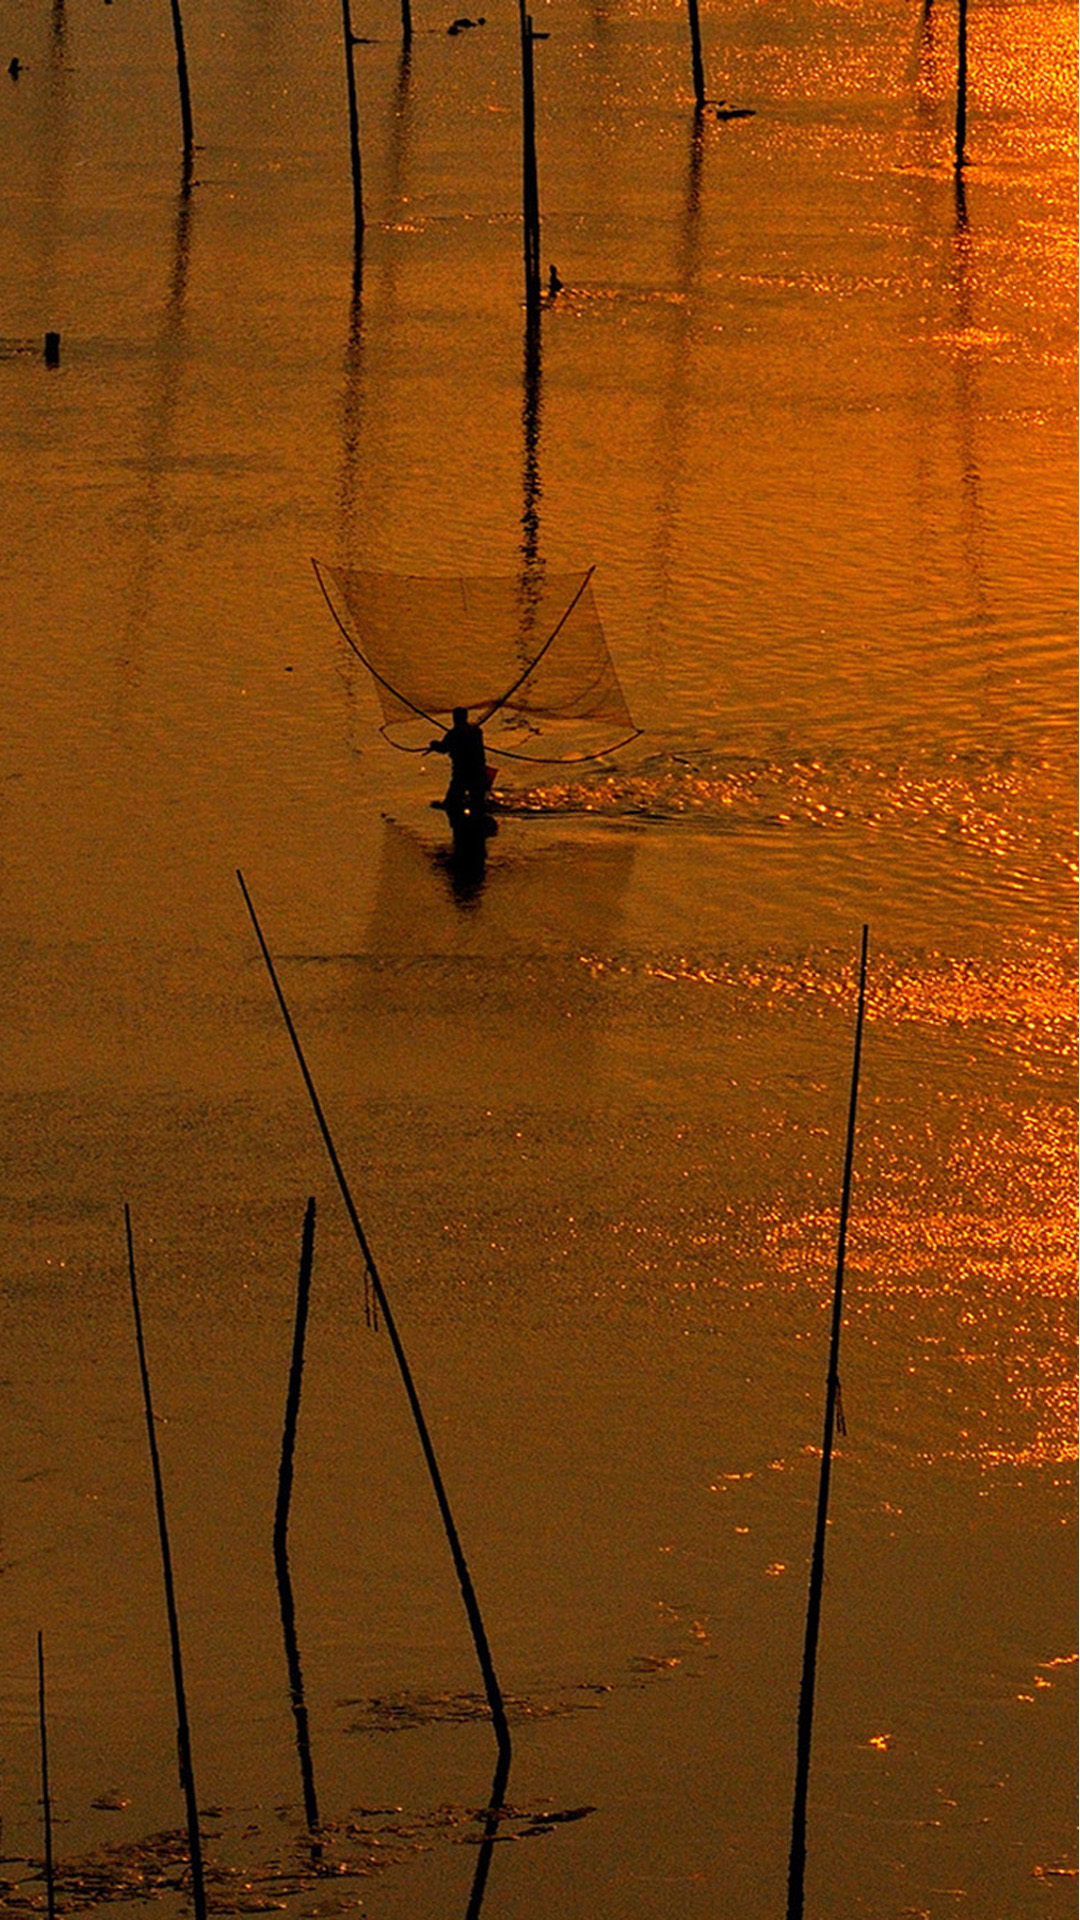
46, 1804
354, 125
406, 22
530, 188
797, 1862
468, 1592
183, 1734
281, 1523
182, 77
695, 54
961, 89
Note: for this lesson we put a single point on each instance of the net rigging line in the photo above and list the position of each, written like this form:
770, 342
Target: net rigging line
399, 705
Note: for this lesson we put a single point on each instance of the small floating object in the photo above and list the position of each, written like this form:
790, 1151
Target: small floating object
724, 112
459, 26
15, 67
52, 349
554, 283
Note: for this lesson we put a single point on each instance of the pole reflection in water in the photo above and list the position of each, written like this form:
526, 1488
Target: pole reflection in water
352, 412
673, 434
158, 453
973, 512
531, 415
491, 1828
281, 1528
354, 478
532, 565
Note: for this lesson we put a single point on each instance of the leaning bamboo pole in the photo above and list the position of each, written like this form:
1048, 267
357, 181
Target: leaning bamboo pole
281, 1525
468, 1591
183, 1731
797, 1860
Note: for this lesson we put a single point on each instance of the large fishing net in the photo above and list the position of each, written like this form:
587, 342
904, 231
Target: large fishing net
527, 657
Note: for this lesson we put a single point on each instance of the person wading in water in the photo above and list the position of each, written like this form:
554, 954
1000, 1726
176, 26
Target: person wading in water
466, 796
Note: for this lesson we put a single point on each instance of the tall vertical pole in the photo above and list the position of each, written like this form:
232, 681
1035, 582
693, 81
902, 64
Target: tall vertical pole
530, 189
695, 54
354, 125
961, 88
46, 1803
182, 77
797, 1861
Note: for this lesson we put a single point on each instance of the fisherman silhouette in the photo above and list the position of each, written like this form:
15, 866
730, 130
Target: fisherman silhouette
466, 796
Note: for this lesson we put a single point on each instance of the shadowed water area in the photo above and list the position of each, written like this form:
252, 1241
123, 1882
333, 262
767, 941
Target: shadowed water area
809, 410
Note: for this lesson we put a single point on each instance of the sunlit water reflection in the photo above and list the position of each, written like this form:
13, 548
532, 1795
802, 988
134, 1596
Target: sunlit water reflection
810, 410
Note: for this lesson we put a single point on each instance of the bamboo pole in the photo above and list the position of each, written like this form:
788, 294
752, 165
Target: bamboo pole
697, 65
281, 1525
468, 1592
354, 126
182, 78
496, 1802
296, 1374
961, 89
183, 1732
797, 1861
46, 1804
530, 192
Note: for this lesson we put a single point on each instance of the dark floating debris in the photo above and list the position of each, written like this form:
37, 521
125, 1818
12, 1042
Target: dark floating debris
724, 112
403, 1712
461, 25
15, 67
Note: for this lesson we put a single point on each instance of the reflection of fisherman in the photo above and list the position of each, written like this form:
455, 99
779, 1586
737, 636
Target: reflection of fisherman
467, 792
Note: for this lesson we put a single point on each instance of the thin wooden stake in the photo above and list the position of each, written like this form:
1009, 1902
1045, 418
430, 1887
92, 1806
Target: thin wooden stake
530, 191
797, 1862
468, 1592
50, 1888
695, 55
961, 89
182, 77
354, 126
281, 1525
183, 1733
